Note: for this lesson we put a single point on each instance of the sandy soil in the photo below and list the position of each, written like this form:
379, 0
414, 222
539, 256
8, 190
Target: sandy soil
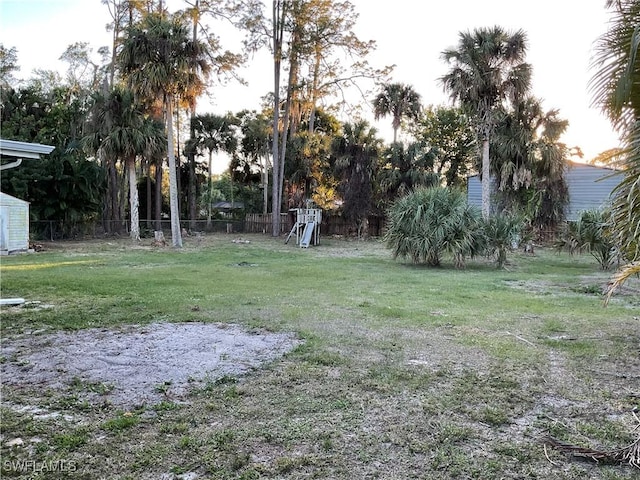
137, 365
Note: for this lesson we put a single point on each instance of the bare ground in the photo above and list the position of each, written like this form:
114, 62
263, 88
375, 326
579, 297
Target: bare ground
139, 365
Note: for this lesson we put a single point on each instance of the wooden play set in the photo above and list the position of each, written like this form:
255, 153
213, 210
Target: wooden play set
306, 226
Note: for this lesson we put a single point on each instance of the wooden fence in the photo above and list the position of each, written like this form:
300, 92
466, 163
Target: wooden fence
261, 223
252, 223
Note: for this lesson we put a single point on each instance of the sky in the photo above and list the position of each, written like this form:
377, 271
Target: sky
410, 34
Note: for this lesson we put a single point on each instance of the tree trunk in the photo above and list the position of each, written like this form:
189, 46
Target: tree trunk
158, 196
122, 198
314, 93
149, 195
114, 219
486, 180
182, 204
176, 234
279, 14
293, 75
209, 186
191, 190
265, 185
134, 202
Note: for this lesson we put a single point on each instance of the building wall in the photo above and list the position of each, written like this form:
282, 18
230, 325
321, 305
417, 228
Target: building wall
14, 224
590, 187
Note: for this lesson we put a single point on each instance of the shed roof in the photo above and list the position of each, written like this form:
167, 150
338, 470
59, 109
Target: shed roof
13, 148
228, 205
6, 199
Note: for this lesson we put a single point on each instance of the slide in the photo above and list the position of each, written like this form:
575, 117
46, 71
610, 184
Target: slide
306, 236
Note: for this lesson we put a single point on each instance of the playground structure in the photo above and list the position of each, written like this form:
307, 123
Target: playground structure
306, 226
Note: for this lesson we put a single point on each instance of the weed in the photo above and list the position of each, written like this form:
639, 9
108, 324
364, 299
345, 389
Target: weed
493, 416
122, 422
95, 387
72, 440
186, 442
163, 387
165, 406
174, 428
226, 380
223, 439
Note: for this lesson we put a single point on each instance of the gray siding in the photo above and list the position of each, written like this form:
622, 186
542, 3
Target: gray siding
474, 191
589, 187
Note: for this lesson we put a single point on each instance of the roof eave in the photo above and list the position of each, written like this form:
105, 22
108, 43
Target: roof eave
12, 148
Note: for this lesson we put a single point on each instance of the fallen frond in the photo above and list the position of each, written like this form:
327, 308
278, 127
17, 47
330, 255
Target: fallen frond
628, 455
620, 277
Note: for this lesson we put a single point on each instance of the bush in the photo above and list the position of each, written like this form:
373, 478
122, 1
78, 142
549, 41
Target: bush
590, 233
502, 232
431, 221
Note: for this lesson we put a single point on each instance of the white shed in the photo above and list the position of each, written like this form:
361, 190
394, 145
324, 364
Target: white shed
14, 224
14, 213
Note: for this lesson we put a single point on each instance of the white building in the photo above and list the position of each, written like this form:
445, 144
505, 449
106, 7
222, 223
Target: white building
14, 213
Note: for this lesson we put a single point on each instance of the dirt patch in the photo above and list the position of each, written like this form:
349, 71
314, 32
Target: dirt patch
139, 365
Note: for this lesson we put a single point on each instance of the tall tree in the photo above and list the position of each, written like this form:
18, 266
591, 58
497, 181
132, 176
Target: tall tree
8, 65
278, 18
222, 63
160, 60
213, 134
64, 188
357, 151
305, 35
255, 146
405, 168
487, 71
616, 90
125, 132
398, 100
529, 162
446, 131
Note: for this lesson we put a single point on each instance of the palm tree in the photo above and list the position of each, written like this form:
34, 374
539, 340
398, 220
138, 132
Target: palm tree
356, 153
487, 70
160, 60
399, 101
616, 90
124, 132
406, 168
529, 162
213, 133
255, 145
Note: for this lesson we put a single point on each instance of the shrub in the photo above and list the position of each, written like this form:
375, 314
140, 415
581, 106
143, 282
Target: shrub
502, 232
590, 233
431, 221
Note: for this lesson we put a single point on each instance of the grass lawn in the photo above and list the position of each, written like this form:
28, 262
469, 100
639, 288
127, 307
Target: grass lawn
404, 371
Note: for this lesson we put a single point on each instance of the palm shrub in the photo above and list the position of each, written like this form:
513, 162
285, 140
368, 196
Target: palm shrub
431, 221
590, 233
502, 231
